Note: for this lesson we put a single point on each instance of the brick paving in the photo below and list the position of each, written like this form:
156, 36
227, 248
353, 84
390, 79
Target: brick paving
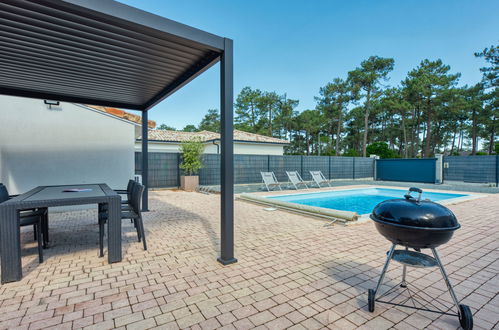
293, 272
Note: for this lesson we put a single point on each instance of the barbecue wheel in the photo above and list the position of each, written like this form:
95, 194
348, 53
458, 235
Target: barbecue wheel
370, 300
465, 317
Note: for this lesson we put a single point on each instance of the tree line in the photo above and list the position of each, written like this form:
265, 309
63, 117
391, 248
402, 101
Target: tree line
361, 114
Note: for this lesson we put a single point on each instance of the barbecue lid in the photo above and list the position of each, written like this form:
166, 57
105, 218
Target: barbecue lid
411, 211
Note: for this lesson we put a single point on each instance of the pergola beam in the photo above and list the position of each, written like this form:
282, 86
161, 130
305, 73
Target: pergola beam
193, 72
67, 98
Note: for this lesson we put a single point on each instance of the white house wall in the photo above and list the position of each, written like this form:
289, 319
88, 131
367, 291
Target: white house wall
157, 147
258, 149
65, 145
210, 148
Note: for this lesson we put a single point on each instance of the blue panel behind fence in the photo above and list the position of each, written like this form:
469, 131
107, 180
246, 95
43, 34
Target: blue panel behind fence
407, 170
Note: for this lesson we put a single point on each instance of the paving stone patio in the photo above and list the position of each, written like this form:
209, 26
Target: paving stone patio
293, 272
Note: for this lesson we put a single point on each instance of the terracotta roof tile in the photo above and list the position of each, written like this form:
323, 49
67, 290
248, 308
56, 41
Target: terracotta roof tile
179, 136
123, 114
247, 136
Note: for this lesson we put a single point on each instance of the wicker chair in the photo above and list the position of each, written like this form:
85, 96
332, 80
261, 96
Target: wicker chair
32, 217
125, 204
127, 192
133, 213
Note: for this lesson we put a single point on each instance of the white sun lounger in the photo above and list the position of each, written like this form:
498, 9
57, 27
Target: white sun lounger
269, 180
319, 178
295, 179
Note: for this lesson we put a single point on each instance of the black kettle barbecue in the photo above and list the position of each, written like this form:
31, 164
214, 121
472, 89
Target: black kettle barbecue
416, 224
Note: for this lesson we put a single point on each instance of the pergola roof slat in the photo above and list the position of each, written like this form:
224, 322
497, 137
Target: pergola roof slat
87, 84
114, 80
122, 15
109, 31
61, 69
76, 35
121, 75
93, 61
58, 87
114, 54
71, 48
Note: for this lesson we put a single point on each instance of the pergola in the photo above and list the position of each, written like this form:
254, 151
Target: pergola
102, 52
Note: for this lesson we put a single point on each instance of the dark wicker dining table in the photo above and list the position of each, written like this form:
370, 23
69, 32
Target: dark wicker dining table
51, 196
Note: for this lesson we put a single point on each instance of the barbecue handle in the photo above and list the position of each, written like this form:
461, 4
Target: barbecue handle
413, 189
416, 190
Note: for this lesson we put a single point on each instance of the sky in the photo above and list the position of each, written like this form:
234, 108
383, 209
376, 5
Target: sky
295, 47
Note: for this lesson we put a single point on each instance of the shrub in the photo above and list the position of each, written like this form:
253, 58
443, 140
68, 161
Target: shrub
380, 149
496, 147
351, 153
191, 156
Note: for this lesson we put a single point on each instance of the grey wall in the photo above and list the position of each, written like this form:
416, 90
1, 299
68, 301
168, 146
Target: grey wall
66, 145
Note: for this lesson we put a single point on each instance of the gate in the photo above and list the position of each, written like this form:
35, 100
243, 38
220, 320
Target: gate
409, 170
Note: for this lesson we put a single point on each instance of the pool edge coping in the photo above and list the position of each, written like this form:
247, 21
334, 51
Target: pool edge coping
362, 218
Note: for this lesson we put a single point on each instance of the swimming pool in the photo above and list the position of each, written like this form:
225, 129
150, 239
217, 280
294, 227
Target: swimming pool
361, 200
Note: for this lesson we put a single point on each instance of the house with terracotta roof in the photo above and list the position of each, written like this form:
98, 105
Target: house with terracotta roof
91, 144
244, 142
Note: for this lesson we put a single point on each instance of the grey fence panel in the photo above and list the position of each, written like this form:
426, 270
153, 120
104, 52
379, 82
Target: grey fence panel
363, 168
342, 167
477, 169
247, 168
280, 164
163, 169
210, 173
315, 163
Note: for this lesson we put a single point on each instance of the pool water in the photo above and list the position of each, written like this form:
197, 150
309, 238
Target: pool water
361, 201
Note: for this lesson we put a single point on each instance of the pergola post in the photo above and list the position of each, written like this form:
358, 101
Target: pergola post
145, 162
227, 155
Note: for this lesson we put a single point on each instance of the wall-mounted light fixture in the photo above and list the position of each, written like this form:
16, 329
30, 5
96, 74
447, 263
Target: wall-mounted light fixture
50, 103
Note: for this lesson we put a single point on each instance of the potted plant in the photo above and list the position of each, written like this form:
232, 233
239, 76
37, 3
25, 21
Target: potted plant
191, 164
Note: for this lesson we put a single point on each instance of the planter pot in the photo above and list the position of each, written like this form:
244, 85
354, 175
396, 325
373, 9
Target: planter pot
189, 183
